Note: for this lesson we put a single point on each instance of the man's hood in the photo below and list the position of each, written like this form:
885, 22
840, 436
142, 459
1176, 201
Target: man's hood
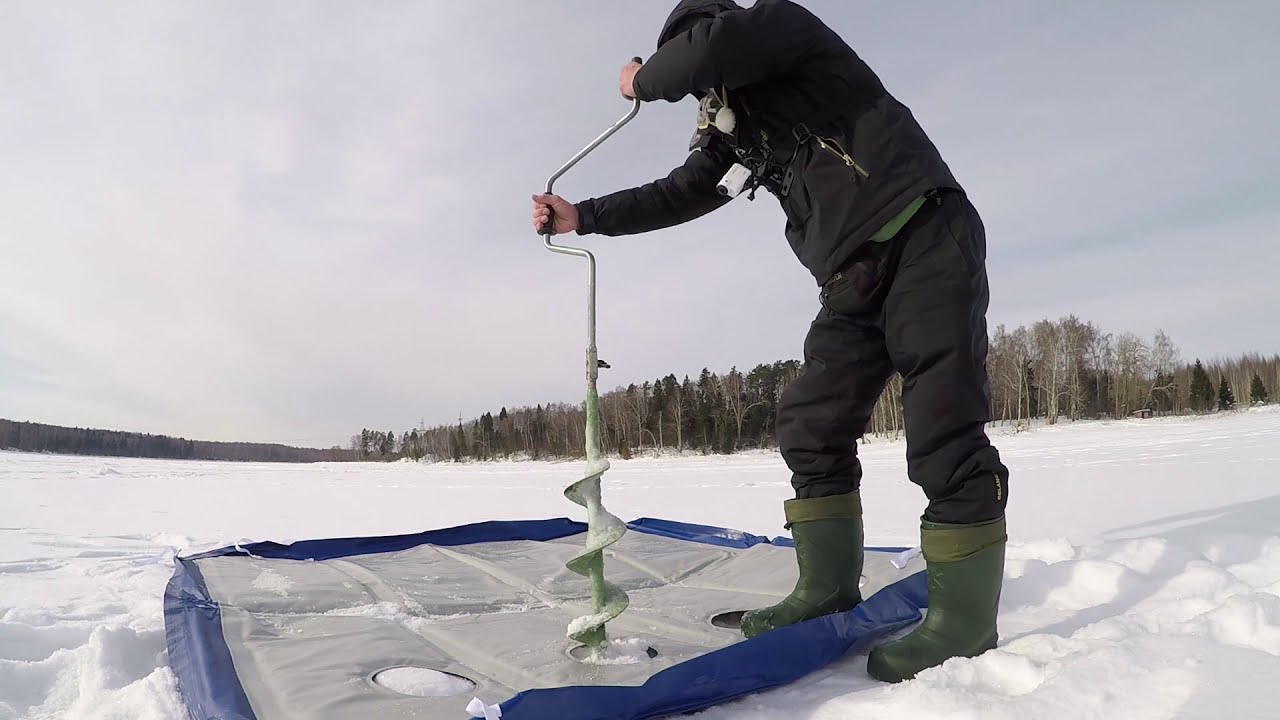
688, 12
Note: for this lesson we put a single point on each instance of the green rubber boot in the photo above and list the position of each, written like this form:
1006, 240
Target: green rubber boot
965, 566
828, 537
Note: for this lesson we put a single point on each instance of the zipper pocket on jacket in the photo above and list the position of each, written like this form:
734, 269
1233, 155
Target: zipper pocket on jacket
834, 148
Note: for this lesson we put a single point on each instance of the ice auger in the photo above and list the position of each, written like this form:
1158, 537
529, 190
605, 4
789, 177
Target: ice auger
603, 528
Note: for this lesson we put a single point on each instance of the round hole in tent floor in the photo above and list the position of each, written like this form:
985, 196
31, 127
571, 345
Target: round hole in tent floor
617, 652
729, 620
422, 682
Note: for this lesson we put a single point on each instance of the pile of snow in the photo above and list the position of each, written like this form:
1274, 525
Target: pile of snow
1143, 574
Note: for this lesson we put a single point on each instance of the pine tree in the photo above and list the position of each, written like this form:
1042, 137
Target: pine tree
486, 435
1226, 398
458, 443
688, 424
1201, 388
1033, 391
1258, 391
538, 432
657, 411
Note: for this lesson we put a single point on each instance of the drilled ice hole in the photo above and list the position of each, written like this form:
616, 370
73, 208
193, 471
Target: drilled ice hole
729, 620
624, 651
422, 682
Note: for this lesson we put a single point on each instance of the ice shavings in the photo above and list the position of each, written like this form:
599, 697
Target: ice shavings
619, 651
413, 616
578, 624
273, 582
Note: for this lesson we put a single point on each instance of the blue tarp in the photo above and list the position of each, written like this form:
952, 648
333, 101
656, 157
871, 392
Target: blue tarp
207, 680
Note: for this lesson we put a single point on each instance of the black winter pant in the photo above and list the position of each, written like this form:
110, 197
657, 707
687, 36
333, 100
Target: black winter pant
916, 304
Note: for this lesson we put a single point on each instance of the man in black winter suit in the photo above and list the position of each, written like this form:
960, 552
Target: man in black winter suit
898, 254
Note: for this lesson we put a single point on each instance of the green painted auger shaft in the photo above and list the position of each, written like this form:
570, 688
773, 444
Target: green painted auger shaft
603, 528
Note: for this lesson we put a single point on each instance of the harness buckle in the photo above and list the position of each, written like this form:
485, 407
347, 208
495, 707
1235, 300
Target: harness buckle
787, 179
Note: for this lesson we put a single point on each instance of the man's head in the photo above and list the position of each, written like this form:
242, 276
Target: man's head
688, 13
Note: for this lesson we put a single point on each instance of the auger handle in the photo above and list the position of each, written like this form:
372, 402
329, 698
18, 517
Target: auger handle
635, 108
549, 230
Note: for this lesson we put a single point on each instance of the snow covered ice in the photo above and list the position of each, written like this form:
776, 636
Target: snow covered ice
1143, 573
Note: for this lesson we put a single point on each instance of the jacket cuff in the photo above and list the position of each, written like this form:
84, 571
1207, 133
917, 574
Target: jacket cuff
638, 86
586, 217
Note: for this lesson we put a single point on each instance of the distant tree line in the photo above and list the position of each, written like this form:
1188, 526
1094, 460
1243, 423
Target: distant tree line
1044, 372
715, 413
1073, 369
37, 437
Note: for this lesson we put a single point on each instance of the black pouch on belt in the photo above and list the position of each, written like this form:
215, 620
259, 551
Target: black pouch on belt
862, 284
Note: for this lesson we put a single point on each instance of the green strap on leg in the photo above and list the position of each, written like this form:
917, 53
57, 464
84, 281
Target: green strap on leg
951, 543
834, 507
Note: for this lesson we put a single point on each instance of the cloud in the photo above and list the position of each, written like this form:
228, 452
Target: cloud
290, 221
1178, 281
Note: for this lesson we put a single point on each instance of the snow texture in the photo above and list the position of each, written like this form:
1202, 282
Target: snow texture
1143, 573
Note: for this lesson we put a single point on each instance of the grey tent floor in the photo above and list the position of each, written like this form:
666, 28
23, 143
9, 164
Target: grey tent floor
306, 637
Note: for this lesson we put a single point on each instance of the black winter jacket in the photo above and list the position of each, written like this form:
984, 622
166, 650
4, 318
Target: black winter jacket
780, 66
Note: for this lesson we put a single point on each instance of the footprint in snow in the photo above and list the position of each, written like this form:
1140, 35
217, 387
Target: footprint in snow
27, 643
29, 566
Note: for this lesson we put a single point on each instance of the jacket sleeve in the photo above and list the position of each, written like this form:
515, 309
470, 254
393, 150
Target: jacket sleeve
736, 48
687, 193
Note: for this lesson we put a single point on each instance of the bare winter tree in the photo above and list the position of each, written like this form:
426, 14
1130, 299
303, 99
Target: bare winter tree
1165, 358
737, 404
637, 402
1050, 355
886, 416
1101, 354
1077, 337
1132, 364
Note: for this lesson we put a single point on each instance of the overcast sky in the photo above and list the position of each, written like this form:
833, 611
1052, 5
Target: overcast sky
287, 221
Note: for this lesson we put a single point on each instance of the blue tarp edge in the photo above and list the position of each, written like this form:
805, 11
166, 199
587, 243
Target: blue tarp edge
494, 531
713, 535
330, 548
747, 667
206, 677
198, 654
